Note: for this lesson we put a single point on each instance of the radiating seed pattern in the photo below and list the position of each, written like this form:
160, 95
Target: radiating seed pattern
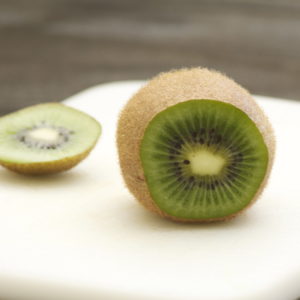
173, 176
63, 137
204, 190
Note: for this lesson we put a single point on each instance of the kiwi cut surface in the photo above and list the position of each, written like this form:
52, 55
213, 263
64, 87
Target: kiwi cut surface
198, 163
46, 138
194, 146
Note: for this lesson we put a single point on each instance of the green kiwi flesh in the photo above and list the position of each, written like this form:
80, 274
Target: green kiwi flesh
46, 138
199, 164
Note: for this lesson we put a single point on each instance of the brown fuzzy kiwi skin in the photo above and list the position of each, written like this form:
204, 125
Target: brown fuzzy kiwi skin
46, 168
168, 89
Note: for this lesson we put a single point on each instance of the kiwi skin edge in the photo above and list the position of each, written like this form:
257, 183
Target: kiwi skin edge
168, 89
47, 168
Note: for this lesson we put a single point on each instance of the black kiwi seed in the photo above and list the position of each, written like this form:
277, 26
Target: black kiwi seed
172, 151
229, 183
191, 179
218, 138
230, 176
186, 162
202, 131
180, 178
171, 157
231, 168
239, 157
201, 141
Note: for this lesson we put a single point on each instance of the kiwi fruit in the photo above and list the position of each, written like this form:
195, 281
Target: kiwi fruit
194, 146
46, 138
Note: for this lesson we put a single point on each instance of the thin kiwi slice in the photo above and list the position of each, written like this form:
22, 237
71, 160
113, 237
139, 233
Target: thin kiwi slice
194, 146
198, 164
46, 138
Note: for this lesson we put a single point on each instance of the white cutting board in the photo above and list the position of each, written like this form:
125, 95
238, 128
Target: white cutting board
81, 235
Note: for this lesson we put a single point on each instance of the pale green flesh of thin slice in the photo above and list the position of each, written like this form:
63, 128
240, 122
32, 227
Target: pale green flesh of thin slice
43, 123
203, 159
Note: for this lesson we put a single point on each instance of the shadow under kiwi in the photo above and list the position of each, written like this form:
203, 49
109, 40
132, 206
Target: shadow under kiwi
9, 178
139, 216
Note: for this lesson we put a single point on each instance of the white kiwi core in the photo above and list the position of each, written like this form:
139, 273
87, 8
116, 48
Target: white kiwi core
204, 162
44, 134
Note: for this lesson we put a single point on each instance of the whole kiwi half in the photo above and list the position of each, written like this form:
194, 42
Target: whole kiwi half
194, 146
46, 138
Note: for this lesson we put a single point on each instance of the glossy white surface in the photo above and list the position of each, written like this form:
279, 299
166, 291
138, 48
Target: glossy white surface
81, 235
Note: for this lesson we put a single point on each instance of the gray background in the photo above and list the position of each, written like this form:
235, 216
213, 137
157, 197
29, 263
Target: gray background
51, 49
